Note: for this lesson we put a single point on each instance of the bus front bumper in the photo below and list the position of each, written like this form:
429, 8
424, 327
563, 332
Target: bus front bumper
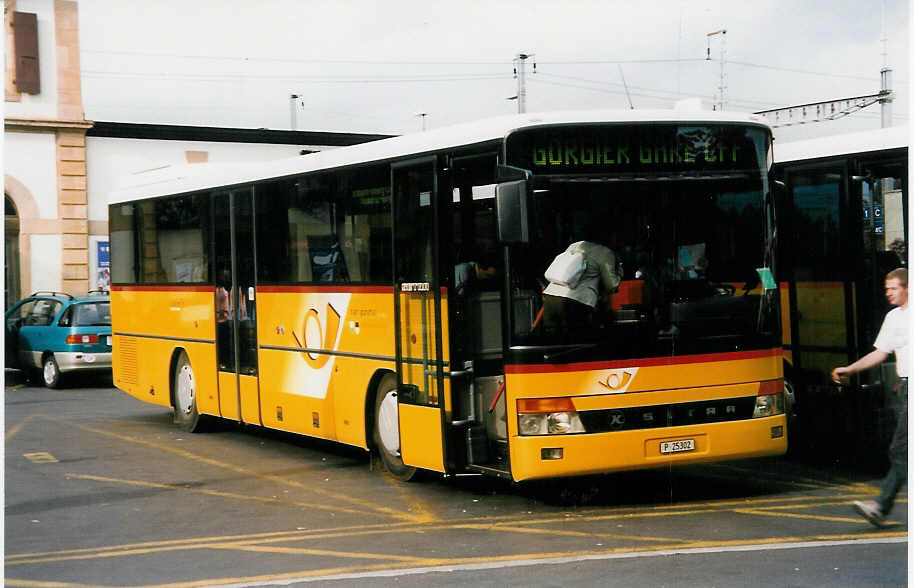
550, 456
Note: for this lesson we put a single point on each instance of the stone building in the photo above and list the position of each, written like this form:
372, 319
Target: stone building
44, 155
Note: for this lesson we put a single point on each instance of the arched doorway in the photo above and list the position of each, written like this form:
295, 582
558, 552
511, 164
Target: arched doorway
11, 260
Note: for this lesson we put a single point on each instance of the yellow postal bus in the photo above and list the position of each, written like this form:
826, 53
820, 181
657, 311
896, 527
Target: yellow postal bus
390, 295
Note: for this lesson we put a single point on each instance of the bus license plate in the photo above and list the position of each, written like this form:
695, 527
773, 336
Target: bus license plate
677, 446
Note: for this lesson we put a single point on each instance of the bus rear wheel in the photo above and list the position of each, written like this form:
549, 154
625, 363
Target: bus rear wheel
184, 389
387, 429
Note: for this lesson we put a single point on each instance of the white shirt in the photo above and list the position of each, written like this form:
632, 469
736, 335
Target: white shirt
895, 337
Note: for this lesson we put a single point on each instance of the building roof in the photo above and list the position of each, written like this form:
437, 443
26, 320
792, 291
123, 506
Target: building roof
844, 144
123, 130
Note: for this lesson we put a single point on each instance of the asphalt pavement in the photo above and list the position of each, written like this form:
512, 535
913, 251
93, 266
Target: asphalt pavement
103, 490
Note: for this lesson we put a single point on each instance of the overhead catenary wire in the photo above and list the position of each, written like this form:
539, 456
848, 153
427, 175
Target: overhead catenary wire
446, 72
289, 76
439, 62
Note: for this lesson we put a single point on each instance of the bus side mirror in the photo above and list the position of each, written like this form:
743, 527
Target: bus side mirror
511, 212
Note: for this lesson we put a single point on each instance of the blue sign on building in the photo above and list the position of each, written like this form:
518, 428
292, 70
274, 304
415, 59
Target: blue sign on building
104, 259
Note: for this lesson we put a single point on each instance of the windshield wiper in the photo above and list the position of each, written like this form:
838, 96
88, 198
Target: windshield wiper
551, 356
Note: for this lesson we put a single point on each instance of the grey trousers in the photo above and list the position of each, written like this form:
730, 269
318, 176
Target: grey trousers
898, 453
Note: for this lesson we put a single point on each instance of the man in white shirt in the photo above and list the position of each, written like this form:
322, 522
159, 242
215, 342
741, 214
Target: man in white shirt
894, 337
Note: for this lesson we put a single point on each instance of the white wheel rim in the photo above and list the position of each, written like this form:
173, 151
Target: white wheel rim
389, 423
49, 371
185, 392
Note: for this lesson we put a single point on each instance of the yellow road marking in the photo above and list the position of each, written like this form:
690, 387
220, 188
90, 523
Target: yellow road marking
251, 473
332, 553
311, 573
754, 501
20, 425
191, 542
40, 457
511, 523
791, 515
534, 531
244, 541
221, 494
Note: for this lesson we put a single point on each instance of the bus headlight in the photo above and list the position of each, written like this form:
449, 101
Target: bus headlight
770, 399
539, 417
531, 424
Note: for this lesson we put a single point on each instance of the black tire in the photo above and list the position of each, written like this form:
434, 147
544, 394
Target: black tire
184, 396
386, 429
50, 371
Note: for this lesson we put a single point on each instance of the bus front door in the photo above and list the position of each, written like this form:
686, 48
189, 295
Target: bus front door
417, 310
236, 306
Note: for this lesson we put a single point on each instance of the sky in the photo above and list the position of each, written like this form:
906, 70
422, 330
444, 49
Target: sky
374, 67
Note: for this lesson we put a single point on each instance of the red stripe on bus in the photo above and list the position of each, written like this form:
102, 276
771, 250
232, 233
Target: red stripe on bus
327, 289
267, 289
646, 362
161, 288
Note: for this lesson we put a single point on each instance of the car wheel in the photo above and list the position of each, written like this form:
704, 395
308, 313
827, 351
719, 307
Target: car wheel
184, 392
387, 429
50, 371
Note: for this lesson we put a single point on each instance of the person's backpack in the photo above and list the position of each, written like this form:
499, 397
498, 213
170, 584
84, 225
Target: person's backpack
566, 269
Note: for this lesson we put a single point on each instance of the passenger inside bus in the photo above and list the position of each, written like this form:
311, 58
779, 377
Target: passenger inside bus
327, 261
569, 307
470, 275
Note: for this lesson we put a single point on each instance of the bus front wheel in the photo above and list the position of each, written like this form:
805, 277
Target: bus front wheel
387, 429
185, 395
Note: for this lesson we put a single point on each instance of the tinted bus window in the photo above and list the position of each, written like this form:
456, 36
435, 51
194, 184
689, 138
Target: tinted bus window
123, 222
325, 229
161, 241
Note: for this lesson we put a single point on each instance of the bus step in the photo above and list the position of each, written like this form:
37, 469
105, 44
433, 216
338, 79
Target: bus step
477, 444
489, 471
499, 453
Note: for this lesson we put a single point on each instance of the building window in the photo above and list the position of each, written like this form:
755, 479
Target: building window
25, 31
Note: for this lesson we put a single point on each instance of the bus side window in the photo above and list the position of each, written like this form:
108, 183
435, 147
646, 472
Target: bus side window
475, 262
327, 261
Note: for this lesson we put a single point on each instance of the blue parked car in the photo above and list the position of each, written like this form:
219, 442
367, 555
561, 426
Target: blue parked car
59, 333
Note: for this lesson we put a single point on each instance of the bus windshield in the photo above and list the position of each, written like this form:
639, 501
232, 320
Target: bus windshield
679, 251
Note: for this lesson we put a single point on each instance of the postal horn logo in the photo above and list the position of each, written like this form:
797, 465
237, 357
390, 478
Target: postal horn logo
318, 336
617, 381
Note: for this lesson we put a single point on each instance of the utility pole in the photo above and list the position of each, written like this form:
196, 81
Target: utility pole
723, 55
293, 111
885, 77
834, 109
520, 72
422, 115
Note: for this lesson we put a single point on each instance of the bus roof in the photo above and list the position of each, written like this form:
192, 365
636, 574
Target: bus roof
193, 177
845, 144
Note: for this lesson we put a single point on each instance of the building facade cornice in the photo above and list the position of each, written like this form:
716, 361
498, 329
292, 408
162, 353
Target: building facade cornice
14, 123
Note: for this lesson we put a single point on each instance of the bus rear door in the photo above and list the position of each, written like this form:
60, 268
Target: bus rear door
236, 306
417, 308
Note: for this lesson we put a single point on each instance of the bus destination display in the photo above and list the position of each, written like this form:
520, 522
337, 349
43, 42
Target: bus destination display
650, 149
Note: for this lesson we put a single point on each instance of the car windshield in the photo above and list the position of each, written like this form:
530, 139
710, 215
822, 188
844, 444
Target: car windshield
92, 314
